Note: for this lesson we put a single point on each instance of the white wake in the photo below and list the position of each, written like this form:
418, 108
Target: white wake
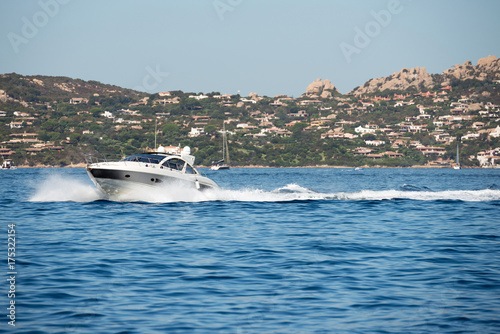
57, 188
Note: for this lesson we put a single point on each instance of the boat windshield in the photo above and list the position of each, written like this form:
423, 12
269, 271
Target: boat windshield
147, 158
174, 163
190, 170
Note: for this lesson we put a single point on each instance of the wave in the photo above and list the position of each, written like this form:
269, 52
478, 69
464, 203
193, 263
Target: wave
57, 188
453, 195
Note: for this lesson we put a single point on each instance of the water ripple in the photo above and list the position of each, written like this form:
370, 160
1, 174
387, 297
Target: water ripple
356, 253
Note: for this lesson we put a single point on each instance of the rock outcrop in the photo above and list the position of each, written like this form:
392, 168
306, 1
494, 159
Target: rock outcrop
3, 96
321, 88
487, 68
404, 79
255, 97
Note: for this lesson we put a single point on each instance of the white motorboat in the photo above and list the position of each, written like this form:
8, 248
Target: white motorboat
224, 163
165, 167
8, 164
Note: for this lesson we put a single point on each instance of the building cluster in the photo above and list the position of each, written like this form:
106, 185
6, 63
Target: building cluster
335, 121
385, 139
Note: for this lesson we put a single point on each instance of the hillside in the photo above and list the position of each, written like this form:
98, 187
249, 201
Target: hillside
418, 79
39, 88
411, 118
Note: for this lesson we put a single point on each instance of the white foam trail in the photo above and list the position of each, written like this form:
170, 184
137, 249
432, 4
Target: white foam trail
62, 189
59, 188
294, 192
179, 193
257, 195
459, 195
294, 188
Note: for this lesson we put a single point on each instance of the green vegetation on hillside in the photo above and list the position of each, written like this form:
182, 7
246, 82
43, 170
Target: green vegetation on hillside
57, 120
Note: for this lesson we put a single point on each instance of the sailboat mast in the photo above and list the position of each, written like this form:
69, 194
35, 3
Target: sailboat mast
156, 131
225, 144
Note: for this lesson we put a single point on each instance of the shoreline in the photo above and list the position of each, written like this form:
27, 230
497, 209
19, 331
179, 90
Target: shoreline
83, 165
80, 165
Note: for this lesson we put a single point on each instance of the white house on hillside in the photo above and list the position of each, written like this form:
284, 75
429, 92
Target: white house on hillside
195, 132
198, 97
108, 114
363, 130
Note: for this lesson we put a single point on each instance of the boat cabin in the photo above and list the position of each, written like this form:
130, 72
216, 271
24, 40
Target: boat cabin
172, 162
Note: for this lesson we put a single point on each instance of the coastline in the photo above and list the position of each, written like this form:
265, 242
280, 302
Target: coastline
79, 165
83, 165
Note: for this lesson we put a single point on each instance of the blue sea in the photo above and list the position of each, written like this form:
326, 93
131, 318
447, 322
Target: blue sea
275, 250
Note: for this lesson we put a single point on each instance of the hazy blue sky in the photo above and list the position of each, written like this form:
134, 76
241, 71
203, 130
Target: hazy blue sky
265, 46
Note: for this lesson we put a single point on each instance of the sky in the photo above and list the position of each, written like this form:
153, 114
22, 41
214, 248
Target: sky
269, 47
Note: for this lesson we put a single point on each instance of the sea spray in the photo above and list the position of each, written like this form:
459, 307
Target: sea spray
57, 188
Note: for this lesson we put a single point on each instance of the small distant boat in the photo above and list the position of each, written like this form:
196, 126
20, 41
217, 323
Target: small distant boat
164, 167
222, 164
457, 160
8, 164
358, 168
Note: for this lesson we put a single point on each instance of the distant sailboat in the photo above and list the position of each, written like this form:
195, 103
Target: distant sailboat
8, 164
457, 160
224, 163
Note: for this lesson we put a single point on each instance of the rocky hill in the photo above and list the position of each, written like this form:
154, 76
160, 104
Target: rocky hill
487, 68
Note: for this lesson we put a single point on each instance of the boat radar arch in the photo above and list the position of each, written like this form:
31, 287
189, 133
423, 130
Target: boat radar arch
186, 155
161, 149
